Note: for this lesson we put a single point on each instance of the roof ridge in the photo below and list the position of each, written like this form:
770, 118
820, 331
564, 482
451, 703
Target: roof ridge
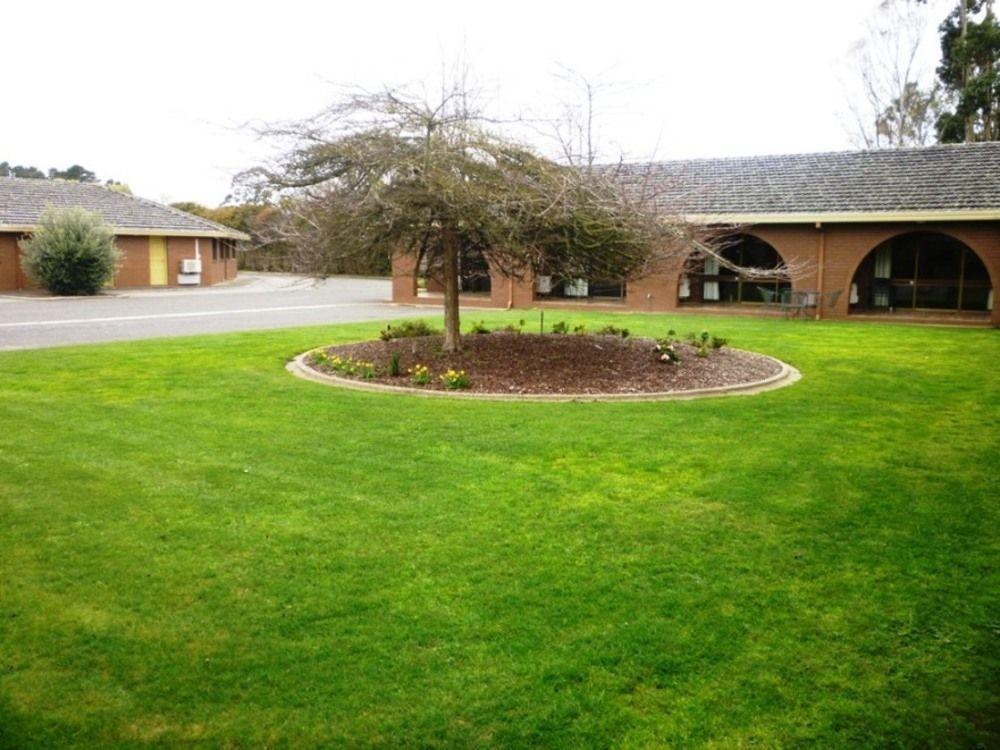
181, 212
801, 154
21, 197
961, 178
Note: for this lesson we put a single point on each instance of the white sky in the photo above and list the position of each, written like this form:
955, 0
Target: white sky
152, 94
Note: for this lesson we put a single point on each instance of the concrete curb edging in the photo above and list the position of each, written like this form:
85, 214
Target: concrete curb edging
785, 377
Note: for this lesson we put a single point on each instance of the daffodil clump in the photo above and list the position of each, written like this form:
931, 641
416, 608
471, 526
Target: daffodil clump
455, 380
354, 368
419, 374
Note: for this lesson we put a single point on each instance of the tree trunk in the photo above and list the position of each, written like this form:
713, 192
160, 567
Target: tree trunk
963, 34
452, 332
988, 127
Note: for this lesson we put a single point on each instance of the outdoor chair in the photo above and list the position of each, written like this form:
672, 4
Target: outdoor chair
794, 303
771, 298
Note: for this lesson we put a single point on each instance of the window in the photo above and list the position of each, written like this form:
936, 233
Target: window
712, 281
921, 271
547, 286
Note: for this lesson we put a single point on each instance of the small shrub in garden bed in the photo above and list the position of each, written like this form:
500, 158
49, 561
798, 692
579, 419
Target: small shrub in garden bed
455, 380
561, 327
407, 329
611, 330
479, 328
511, 328
703, 343
394, 365
666, 352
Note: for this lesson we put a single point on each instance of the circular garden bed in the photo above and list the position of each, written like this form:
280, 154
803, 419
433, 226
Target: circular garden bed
513, 364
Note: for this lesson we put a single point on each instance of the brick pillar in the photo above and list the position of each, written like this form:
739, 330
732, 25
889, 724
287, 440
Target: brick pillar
654, 293
515, 292
404, 277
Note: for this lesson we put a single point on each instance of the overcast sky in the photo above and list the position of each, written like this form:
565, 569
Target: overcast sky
153, 94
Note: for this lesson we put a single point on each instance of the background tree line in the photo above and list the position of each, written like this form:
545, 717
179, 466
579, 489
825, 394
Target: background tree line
898, 106
74, 173
267, 251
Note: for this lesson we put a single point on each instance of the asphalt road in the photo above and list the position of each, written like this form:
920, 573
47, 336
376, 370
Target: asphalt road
255, 301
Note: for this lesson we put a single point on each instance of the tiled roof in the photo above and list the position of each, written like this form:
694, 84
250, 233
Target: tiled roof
961, 178
22, 202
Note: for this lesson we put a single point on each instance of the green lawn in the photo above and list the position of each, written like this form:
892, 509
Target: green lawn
197, 547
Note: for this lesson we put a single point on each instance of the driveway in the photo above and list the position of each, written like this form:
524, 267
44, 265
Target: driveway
255, 301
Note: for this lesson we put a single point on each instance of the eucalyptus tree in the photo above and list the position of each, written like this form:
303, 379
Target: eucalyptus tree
896, 106
970, 73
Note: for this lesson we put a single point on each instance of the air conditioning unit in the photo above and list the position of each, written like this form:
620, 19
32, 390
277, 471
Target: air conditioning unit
191, 265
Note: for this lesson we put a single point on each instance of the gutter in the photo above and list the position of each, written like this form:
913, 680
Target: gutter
146, 232
844, 217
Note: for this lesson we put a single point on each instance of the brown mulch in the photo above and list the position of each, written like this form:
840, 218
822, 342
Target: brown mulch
551, 363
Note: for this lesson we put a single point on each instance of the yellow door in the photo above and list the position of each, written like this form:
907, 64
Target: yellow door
158, 261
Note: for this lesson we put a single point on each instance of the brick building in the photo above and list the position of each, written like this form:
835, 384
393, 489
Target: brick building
910, 234
158, 243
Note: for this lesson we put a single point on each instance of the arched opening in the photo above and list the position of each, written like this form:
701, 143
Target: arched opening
473, 273
921, 272
707, 281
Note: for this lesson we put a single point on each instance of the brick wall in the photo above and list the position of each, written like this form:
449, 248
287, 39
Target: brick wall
513, 292
178, 249
404, 277
10, 273
844, 246
134, 269
848, 244
215, 266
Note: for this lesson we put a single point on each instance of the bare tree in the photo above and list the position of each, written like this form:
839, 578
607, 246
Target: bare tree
574, 130
391, 172
398, 172
894, 108
578, 142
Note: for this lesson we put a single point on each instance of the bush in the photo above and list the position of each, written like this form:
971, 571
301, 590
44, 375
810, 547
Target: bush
511, 328
560, 327
394, 365
407, 329
479, 329
72, 252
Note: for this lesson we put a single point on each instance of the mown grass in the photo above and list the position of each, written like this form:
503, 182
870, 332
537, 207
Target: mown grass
198, 548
